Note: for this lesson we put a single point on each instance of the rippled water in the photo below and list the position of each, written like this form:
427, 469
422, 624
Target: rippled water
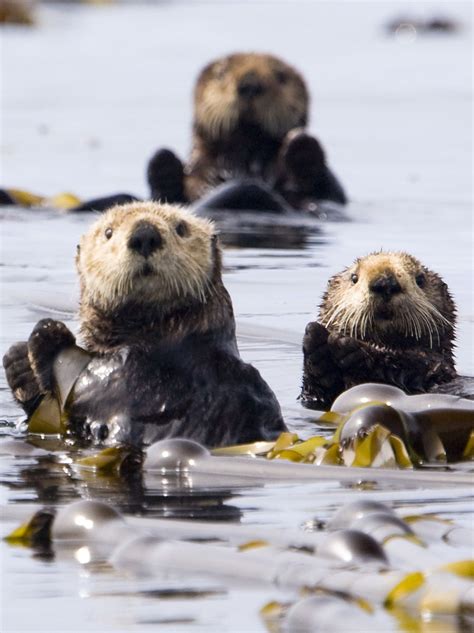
395, 118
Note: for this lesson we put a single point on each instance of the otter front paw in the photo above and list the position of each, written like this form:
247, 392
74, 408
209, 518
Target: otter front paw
165, 175
48, 338
349, 352
301, 157
321, 377
21, 378
317, 355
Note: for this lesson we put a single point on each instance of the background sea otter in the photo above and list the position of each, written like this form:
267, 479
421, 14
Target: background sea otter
386, 318
159, 325
249, 111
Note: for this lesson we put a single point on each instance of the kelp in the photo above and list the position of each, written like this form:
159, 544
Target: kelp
50, 417
62, 201
376, 434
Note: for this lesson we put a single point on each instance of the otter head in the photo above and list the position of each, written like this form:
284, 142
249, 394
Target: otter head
389, 298
150, 254
252, 88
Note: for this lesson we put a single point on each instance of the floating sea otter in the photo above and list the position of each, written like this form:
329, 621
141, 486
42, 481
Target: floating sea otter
386, 318
250, 111
250, 150
158, 327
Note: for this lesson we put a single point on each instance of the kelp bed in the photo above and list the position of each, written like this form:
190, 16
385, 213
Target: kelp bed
364, 567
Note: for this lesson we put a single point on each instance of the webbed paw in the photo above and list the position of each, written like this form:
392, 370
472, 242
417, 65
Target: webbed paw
165, 175
48, 338
21, 378
349, 353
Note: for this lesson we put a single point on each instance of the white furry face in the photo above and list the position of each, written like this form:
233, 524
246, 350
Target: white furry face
254, 88
387, 294
145, 251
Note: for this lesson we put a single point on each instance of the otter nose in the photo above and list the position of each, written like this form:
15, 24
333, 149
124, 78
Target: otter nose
145, 239
385, 285
250, 86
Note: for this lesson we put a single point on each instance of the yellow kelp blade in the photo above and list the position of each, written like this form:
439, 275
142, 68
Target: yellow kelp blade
47, 418
26, 198
285, 440
38, 528
400, 451
463, 568
288, 454
468, 453
112, 460
411, 583
63, 201
255, 448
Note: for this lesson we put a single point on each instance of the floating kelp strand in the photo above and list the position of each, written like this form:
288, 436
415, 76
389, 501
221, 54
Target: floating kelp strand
394, 397
291, 571
427, 527
274, 470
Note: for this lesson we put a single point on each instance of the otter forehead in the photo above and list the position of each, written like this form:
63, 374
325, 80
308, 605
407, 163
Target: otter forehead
164, 216
240, 63
376, 264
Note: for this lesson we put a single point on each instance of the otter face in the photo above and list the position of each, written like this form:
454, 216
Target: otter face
250, 88
146, 253
387, 295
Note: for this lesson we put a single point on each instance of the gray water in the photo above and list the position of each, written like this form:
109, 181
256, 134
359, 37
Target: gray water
86, 99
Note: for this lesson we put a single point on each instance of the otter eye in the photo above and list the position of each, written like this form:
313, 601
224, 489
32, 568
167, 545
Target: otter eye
354, 278
420, 280
78, 249
182, 229
282, 76
108, 233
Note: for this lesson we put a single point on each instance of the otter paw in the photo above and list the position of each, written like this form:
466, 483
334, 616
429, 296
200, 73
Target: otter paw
347, 352
315, 337
165, 175
48, 338
302, 157
21, 378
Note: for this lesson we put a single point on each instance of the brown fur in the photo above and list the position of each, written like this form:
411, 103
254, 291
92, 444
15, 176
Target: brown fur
386, 318
159, 326
417, 316
182, 294
234, 136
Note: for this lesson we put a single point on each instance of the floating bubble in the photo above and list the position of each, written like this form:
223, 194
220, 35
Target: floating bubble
352, 546
175, 455
346, 515
81, 518
382, 526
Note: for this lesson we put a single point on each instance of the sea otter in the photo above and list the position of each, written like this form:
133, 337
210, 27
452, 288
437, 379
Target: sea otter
386, 318
250, 111
158, 324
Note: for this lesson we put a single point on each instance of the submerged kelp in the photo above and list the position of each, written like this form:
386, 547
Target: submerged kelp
378, 568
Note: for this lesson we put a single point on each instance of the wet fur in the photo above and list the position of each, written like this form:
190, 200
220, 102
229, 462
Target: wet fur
360, 337
237, 138
164, 359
